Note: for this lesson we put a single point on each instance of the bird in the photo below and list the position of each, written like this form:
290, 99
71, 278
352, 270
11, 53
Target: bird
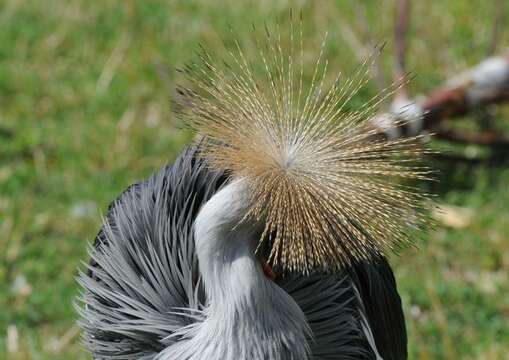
268, 237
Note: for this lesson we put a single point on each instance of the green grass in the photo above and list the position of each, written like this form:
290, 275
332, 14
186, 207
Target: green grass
85, 111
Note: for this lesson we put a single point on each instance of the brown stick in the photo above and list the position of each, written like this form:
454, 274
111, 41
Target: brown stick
486, 83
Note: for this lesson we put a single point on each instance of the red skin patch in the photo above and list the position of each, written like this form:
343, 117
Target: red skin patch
267, 270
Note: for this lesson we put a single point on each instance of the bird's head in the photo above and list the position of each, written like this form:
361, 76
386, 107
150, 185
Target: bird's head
324, 187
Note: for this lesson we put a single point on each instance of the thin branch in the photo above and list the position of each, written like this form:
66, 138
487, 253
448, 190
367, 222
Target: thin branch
361, 51
497, 22
356, 45
400, 32
369, 38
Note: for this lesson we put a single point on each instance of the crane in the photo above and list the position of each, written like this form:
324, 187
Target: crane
267, 237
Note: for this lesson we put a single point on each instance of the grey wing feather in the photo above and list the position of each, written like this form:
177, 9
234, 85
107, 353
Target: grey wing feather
143, 266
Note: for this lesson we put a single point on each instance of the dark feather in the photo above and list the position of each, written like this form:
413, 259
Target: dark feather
377, 286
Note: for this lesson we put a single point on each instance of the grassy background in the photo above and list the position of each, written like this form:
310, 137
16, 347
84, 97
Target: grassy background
84, 112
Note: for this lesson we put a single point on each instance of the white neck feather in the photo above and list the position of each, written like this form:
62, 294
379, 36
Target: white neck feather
248, 316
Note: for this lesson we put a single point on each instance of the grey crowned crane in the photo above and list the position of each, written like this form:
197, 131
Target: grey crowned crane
266, 239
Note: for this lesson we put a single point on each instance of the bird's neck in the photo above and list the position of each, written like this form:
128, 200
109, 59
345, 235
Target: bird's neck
248, 316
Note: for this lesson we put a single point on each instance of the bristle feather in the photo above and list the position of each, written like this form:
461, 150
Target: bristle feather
320, 179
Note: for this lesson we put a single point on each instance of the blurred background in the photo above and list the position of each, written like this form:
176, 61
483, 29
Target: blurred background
85, 90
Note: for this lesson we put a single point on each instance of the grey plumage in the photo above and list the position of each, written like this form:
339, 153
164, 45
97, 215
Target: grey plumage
143, 297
